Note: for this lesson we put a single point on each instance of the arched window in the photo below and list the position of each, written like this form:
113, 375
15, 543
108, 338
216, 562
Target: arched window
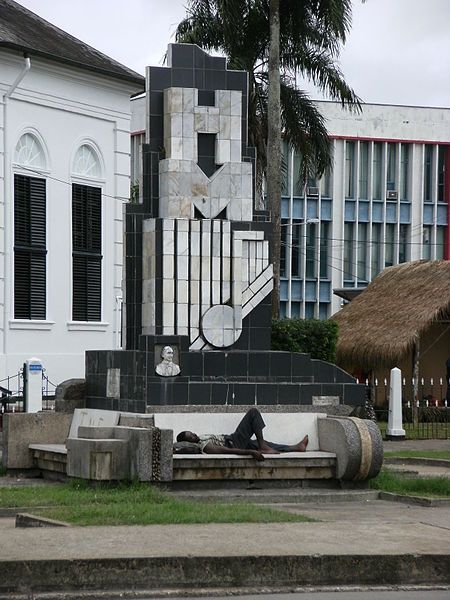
29, 152
86, 237
87, 162
30, 247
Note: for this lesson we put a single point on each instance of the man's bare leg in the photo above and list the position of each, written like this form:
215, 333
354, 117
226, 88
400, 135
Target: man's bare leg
263, 446
300, 447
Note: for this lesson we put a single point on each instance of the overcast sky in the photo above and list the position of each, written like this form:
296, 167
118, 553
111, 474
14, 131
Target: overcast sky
398, 51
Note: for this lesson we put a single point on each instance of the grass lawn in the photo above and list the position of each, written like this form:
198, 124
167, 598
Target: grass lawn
132, 504
440, 454
387, 481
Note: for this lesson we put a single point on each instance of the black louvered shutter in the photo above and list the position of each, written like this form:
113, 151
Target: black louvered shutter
86, 252
29, 247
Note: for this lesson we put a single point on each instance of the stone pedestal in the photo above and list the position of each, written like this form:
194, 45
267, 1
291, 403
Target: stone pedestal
395, 429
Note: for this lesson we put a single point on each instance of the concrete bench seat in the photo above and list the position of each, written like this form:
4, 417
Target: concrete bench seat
112, 445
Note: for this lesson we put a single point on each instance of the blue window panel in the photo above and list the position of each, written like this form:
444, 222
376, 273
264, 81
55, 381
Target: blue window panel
363, 212
283, 289
391, 212
324, 292
327, 210
312, 209
296, 289
428, 214
405, 213
295, 310
349, 283
285, 208
311, 291
350, 210
309, 310
298, 208
324, 311
283, 308
377, 212
442, 214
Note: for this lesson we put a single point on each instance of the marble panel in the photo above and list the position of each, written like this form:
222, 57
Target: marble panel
215, 292
195, 291
168, 242
188, 100
176, 126
189, 150
168, 267
183, 267
224, 127
247, 209
175, 100
226, 244
185, 166
236, 186
182, 317
248, 235
148, 315
235, 152
148, 290
235, 128
176, 147
168, 290
235, 103
216, 270
206, 292
195, 268
182, 291
213, 123
168, 313
223, 101
223, 151
226, 268
226, 291
200, 122
195, 243
188, 125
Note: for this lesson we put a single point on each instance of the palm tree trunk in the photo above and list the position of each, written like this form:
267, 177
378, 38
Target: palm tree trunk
274, 149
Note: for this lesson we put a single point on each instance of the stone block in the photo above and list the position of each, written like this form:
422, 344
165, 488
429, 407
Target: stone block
97, 460
22, 429
357, 444
92, 417
136, 420
69, 395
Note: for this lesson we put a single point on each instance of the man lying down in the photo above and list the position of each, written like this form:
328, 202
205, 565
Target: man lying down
240, 441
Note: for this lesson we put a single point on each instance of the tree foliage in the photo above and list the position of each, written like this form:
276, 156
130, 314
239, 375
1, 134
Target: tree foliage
312, 33
312, 336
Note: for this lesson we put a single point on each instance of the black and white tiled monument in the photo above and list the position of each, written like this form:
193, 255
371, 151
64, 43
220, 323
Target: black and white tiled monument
198, 275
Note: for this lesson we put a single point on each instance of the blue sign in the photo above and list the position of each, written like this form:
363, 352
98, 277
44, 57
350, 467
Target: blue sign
35, 367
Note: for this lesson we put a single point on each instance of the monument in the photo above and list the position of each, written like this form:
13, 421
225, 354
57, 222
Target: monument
198, 272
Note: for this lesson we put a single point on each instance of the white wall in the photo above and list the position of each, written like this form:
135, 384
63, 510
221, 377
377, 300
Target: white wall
65, 107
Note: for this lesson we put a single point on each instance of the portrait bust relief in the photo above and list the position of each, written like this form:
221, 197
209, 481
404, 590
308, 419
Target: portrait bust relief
167, 368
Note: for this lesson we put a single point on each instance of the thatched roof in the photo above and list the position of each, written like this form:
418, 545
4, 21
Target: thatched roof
380, 326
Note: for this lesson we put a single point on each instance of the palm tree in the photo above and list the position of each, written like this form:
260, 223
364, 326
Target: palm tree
311, 34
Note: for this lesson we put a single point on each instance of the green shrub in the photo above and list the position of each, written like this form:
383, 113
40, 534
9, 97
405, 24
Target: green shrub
314, 337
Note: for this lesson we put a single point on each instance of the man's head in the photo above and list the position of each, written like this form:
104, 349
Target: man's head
188, 436
167, 353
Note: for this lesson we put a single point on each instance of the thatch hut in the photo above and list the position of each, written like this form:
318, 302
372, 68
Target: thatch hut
402, 319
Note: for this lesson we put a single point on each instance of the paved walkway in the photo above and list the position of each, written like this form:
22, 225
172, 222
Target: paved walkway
388, 541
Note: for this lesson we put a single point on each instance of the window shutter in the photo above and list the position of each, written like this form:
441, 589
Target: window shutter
87, 245
29, 247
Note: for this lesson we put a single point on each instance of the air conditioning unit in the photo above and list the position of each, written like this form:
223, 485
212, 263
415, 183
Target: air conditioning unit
312, 191
391, 195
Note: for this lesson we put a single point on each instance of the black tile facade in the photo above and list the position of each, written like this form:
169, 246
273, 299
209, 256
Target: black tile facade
247, 374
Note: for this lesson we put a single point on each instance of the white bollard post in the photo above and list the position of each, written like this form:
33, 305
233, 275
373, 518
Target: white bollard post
395, 429
33, 388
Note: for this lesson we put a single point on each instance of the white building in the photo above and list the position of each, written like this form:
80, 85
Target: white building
386, 201
64, 174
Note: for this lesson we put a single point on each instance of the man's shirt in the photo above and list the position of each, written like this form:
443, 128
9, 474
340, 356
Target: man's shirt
216, 439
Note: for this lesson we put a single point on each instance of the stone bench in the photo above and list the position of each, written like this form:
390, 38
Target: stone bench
342, 448
112, 445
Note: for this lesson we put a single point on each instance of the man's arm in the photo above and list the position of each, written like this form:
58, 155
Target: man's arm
211, 448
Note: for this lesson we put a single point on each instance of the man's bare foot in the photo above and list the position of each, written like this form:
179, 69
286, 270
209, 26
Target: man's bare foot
301, 446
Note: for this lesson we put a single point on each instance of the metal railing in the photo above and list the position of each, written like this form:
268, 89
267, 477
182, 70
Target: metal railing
12, 395
428, 417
